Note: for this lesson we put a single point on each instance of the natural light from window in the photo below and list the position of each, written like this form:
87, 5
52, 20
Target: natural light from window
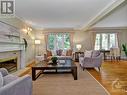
106, 41
59, 41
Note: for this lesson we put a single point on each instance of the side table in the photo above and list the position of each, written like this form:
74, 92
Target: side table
77, 56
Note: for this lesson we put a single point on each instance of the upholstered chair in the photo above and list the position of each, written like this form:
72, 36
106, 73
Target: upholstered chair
115, 53
14, 85
91, 62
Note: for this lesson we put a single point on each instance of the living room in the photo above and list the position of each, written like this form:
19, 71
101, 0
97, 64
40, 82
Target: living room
76, 32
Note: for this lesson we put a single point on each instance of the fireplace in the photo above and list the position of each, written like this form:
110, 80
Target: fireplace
12, 56
9, 63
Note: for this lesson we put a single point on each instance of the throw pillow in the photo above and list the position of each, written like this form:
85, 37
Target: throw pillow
49, 53
88, 53
59, 52
54, 53
64, 53
1, 80
69, 52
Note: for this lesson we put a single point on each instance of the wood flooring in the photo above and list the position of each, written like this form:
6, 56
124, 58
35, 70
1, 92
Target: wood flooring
113, 76
110, 72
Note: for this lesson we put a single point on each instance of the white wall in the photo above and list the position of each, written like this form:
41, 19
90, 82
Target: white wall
42, 47
117, 18
83, 38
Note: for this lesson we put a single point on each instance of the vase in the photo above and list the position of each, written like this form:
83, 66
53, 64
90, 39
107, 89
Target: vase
54, 62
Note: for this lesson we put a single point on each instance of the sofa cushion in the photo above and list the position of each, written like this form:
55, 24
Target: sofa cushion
9, 78
88, 53
95, 53
1, 80
59, 52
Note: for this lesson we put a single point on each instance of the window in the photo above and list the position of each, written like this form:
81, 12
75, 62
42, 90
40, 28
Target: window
59, 41
106, 41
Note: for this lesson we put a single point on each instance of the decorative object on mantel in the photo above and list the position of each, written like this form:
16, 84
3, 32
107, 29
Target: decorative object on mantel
54, 60
25, 42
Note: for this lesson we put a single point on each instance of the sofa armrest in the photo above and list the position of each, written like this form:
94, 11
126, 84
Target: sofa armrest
20, 86
4, 71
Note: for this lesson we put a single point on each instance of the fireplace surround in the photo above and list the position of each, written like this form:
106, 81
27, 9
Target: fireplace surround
13, 51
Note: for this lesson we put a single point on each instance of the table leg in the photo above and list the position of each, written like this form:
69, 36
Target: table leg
33, 74
74, 73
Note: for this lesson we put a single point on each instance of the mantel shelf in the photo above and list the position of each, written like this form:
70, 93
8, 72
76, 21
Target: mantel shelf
12, 43
13, 36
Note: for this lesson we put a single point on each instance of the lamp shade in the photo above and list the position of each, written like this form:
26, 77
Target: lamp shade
37, 42
78, 46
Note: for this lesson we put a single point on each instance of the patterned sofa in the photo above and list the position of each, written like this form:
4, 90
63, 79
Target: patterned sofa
59, 53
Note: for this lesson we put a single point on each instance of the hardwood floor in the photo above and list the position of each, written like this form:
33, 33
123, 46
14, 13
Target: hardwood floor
111, 75
110, 72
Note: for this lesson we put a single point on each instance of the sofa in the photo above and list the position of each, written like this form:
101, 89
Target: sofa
14, 85
91, 59
60, 54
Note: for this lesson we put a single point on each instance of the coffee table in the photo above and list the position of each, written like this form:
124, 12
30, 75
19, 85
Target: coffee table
67, 67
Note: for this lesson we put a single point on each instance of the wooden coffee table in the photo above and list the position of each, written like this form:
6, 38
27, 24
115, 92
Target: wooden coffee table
67, 67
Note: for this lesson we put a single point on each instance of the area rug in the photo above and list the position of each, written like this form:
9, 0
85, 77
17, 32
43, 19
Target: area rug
64, 84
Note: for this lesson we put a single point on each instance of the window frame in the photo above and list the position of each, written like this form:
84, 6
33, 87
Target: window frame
56, 41
108, 43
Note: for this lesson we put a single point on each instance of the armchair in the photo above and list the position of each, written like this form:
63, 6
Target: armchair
91, 62
14, 85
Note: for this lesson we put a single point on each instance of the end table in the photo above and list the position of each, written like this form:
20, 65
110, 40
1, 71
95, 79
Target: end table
77, 56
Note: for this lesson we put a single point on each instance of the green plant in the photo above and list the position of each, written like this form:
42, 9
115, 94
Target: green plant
124, 48
54, 59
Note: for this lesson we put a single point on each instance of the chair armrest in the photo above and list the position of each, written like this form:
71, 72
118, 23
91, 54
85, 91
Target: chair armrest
98, 57
81, 55
4, 71
20, 86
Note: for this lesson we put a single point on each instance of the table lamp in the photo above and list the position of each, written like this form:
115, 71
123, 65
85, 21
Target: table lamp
78, 46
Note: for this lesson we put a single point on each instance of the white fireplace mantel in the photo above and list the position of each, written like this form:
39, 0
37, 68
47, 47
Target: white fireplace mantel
9, 49
9, 46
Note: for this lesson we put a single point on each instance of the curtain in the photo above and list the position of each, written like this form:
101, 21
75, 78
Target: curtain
71, 40
94, 40
118, 39
46, 41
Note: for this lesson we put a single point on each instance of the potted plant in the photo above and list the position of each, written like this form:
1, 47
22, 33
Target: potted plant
54, 60
124, 48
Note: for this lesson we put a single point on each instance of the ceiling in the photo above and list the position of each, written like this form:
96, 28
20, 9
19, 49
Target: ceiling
45, 14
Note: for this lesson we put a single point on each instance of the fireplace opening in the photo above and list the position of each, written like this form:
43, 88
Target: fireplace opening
10, 64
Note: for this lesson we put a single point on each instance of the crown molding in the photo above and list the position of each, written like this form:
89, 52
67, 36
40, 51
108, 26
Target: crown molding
107, 28
109, 8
